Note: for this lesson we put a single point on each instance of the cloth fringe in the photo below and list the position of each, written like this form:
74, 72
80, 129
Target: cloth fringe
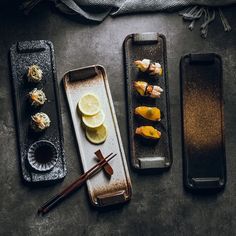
195, 13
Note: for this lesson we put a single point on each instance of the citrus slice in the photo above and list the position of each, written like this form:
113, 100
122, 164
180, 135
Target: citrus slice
97, 135
94, 121
89, 104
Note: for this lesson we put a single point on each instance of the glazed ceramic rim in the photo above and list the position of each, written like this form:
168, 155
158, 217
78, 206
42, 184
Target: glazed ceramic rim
42, 166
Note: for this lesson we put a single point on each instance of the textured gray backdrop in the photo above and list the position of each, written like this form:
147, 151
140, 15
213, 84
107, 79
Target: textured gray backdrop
159, 206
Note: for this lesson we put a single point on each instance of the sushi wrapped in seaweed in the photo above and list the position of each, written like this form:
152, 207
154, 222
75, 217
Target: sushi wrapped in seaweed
37, 97
148, 132
152, 68
145, 89
40, 121
34, 74
149, 113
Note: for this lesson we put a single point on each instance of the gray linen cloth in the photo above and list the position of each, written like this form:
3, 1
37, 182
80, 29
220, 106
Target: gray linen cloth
98, 10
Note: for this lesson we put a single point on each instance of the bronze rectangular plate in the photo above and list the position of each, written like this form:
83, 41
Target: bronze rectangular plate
203, 121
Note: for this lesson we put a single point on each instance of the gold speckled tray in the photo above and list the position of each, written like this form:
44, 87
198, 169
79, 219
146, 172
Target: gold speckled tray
203, 121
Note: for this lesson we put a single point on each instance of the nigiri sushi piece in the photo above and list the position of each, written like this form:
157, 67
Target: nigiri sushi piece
152, 68
34, 74
149, 113
148, 132
145, 89
37, 97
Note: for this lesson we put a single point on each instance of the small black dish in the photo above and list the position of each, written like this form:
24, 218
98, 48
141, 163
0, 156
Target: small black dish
42, 155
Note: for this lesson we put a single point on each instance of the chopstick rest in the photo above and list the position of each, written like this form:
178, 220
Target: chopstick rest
107, 167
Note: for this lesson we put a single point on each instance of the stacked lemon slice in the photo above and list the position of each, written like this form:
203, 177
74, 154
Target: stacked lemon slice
93, 118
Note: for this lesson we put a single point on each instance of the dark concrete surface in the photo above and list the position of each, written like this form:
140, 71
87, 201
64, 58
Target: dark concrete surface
160, 205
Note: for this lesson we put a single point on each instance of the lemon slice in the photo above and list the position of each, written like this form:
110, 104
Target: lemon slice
89, 104
97, 135
94, 121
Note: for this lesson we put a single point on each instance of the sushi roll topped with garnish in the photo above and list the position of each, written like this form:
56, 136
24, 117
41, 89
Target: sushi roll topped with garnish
40, 121
152, 68
37, 97
34, 74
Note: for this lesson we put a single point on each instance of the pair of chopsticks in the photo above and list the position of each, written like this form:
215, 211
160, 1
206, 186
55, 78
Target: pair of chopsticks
51, 203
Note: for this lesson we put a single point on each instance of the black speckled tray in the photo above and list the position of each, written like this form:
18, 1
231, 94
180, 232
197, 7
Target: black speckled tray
22, 55
203, 122
147, 155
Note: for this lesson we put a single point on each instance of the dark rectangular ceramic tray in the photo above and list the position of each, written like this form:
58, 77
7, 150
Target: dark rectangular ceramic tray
144, 155
23, 55
203, 121
103, 190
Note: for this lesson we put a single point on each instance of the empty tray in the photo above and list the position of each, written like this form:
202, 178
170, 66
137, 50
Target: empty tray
203, 121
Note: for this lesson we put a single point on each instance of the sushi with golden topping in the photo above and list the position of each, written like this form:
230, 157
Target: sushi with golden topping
37, 97
145, 89
34, 74
152, 68
149, 113
148, 132
40, 121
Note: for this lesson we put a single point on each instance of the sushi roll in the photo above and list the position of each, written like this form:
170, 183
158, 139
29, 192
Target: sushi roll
40, 121
148, 132
145, 89
152, 68
34, 74
37, 97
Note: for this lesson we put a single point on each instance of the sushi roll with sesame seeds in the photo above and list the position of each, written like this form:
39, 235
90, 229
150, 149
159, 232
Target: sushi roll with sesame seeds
37, 97
40, 122
34, 74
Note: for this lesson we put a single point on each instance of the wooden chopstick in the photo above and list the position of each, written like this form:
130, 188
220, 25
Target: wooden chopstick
52, 202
